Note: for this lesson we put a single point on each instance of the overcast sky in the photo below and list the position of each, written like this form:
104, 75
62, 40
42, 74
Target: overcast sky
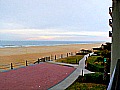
54, 20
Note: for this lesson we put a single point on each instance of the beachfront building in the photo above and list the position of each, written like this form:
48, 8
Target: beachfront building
114, 23
115, 33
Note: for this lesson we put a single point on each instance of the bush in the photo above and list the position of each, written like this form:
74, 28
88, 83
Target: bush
92, 81
96, 77
94, 68
94, 63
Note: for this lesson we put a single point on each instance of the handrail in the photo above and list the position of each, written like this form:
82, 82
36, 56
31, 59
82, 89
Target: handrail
110, 33
110, 22
110, 9
115, 79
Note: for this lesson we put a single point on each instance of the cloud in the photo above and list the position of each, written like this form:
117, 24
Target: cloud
10, 25
51, 34
41, 38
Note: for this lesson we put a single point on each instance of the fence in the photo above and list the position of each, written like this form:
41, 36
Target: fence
31, 62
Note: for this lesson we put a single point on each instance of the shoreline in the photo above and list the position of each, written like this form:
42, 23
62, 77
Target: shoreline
18, 54
17, 44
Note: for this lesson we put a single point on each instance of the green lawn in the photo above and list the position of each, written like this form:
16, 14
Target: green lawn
71, 59
86, 86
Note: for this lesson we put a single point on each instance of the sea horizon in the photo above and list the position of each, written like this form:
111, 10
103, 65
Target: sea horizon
7, 44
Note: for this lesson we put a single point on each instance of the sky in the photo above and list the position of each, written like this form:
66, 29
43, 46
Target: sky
76, 20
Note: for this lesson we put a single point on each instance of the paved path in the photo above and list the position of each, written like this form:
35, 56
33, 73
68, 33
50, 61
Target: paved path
70, 79
36, 77
65, 64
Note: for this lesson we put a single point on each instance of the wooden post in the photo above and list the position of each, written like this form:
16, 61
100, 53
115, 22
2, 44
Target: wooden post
82, 73
76, 61
61, 55
26, 63
51, 57
11, 66
55, 57
48, 58
67, 54
89, 55
38, 60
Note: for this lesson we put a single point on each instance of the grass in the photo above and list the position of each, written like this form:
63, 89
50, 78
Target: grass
71, 59
86, 86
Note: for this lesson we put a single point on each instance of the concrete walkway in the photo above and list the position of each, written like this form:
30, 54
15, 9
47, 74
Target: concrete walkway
65, 64
72, 77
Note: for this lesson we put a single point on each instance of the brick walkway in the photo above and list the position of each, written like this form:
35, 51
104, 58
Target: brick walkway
40, 76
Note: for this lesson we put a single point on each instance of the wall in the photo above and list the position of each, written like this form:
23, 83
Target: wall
116, 34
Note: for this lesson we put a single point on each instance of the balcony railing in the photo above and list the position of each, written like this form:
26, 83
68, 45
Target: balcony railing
115, 79
110, 11
110, 33
110, 22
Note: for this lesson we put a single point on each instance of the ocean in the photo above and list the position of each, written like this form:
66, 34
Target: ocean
6, 44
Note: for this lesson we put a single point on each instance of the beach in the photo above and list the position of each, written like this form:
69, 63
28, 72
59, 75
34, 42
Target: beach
20, 54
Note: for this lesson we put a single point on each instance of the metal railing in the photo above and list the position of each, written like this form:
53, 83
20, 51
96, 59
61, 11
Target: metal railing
110, 11
114, 83
110, 33
110, 22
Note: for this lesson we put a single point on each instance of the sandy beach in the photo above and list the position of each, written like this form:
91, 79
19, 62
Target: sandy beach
19, 54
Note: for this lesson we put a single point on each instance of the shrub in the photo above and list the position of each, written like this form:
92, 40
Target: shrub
94, 63
92, 81
94, 68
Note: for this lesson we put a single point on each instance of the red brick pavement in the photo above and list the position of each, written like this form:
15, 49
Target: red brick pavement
40, 76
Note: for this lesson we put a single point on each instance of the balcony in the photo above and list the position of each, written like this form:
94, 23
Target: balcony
110, 33
110, 22
110, 11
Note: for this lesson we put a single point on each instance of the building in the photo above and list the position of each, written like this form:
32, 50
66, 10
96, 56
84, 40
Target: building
115, 15
114, 22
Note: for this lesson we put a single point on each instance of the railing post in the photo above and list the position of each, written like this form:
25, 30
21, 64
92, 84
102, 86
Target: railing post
26, 63
61, 55
11, 66
67, 54
110, 33
110, 22
76, 61
55, 57
38, 60
110, 11
82, 72
51, 57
